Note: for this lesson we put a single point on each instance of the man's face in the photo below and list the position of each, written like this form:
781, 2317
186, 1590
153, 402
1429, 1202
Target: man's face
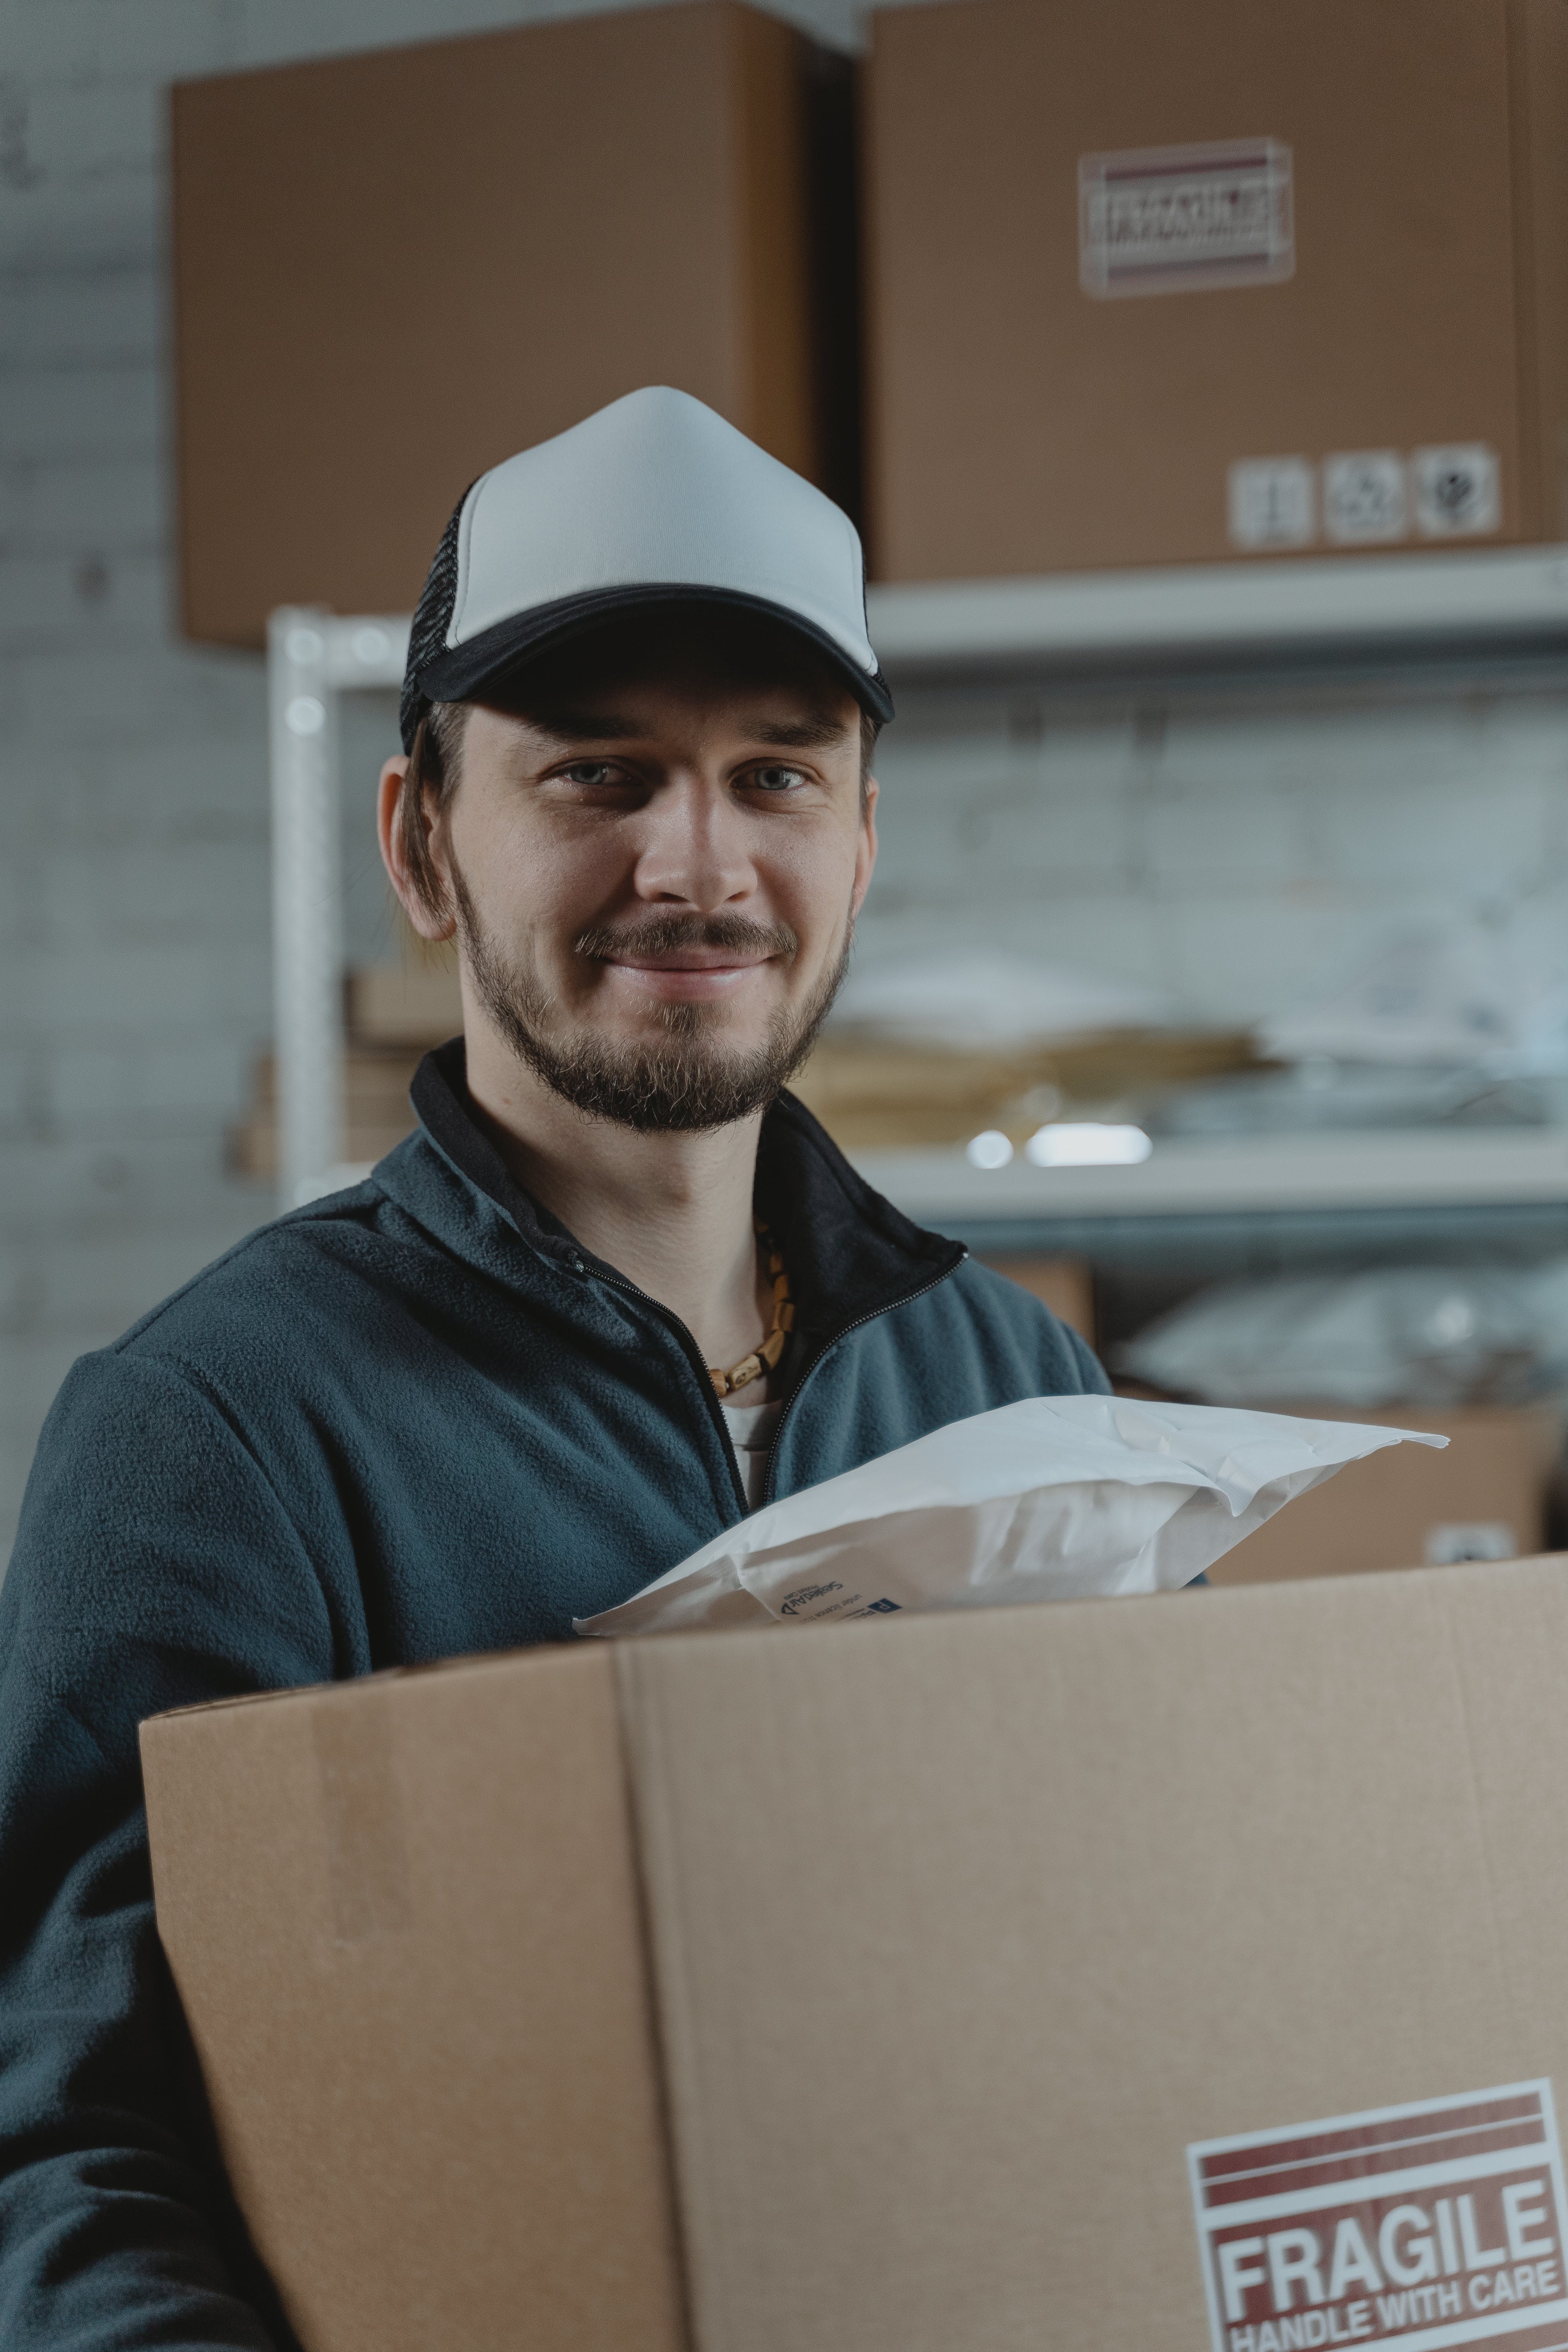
654, 874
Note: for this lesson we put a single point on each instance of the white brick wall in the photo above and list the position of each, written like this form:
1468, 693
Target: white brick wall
1229, 857
1235, 858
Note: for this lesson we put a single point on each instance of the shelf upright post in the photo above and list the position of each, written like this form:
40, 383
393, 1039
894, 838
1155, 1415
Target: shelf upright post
307, 904
312, 658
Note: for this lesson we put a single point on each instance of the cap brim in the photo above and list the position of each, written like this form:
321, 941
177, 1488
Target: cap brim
462, 672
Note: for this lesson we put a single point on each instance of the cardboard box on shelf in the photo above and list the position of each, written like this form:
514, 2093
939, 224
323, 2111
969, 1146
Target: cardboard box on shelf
942, 1980
377, 1113
1483, 1497
1066, 1285
396, 1012
875, 1093
393, 269
1153, 286
414, 1001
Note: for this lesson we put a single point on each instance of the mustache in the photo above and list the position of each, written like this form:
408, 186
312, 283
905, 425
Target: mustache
661, 935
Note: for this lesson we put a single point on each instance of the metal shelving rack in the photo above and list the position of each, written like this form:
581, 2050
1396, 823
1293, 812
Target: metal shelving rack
1506, 609
313, 659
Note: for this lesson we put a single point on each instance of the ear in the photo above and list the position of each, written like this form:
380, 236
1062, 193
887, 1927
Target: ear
865, 846
392, 816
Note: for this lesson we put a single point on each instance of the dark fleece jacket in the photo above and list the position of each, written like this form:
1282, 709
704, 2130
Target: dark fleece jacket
412, 1421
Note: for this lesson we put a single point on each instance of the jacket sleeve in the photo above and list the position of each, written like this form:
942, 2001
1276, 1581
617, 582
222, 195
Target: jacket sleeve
1094, 1379
155, 1568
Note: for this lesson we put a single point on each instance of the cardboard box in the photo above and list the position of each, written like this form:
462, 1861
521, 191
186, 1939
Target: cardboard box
377, 1113
895, 1987
1065, 1285
882, 1094
1152, 285
415, 1001
396, 1012
393, 269
1484, 1497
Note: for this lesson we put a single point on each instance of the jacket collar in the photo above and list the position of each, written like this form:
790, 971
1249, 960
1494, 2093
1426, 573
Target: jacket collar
850, 1254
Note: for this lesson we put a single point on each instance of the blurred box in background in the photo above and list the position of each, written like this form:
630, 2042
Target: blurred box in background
414, 1002
1065, 1285
395, 1012
393, 270
1484, 1498
877, 1093
1151, 285
377, 1113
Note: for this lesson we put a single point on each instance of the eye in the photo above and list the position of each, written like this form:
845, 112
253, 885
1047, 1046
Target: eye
592, 774
774, 779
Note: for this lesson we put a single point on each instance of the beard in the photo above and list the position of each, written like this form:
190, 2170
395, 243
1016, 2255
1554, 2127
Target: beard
686, 1080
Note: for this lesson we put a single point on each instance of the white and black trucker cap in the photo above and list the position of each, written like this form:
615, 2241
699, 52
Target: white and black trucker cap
653, 501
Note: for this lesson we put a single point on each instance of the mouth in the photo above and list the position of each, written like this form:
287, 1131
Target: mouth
677, 969
692, 960
688, 975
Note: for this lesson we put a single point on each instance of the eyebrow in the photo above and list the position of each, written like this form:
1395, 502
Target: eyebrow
592, 726
609, 727
802, 734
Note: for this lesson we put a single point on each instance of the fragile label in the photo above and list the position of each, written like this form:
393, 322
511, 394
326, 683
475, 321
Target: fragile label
1425, 2226
1157, 220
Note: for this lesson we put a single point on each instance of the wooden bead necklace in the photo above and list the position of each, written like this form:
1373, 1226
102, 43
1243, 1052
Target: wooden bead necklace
765, 1357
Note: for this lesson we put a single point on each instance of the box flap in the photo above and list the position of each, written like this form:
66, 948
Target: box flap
403, 1919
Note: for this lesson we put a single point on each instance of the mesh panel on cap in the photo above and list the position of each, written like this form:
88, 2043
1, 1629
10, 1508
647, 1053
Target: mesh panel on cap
432, 619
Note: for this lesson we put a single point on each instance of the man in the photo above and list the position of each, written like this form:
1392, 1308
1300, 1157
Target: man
487, 1390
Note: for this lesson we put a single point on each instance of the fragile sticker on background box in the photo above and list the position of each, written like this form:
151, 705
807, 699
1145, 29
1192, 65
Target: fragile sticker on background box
1425, 2226
1163, 220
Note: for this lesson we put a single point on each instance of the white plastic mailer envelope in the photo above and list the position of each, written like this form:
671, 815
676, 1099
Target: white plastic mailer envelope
1054, 1498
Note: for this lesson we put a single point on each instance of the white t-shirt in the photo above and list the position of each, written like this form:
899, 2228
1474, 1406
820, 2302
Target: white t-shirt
751, 1428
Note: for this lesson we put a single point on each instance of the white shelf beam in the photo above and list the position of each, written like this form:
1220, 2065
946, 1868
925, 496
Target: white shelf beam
1367, 602
1403, 1168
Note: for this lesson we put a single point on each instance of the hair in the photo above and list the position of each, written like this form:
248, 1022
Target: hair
434, 764
435, 768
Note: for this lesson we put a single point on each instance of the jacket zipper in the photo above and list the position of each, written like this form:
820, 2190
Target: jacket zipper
827, 1348
689, 1349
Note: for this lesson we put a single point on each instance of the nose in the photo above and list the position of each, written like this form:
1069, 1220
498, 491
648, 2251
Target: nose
694, 851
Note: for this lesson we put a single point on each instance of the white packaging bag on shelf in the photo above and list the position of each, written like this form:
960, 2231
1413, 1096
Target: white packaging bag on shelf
1054, 1498
1392, 1335
1451, 993
978, 1001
